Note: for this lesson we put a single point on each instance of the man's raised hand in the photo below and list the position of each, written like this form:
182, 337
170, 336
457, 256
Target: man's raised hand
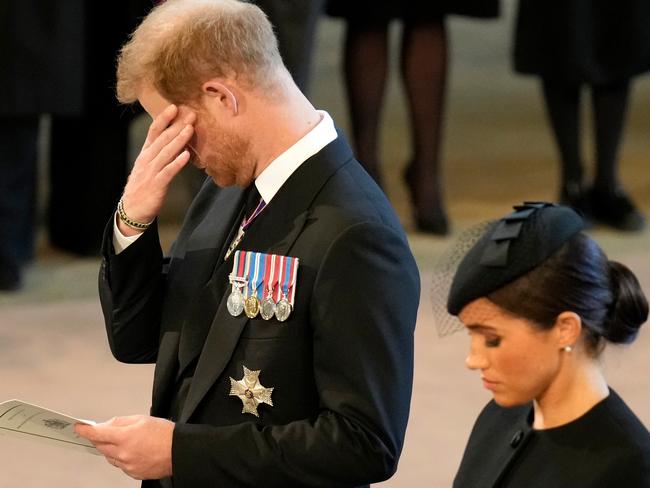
163, 155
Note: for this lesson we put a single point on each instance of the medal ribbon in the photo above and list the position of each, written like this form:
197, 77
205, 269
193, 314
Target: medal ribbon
246, 223
238, 266
278, 262
241, 263
292, 280
287, 278
270, 277
258, 210
236, 279
258, 273
277, 295
247, 267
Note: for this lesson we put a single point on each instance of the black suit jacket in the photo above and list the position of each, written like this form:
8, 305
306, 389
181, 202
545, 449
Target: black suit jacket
341, 366
608, 447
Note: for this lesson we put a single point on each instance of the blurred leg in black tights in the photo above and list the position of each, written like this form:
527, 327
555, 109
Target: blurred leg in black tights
610, 204
606, 202
563, 107
365, 66
423, 66
424, 73
18, 138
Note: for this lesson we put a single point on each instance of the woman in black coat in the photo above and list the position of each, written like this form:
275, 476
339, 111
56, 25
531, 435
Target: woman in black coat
600, 44
424, 71
540, 300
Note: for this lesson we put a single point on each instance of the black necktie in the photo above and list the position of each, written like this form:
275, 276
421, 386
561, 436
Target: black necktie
251, 201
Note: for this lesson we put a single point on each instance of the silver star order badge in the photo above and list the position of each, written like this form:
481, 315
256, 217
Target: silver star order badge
250, 391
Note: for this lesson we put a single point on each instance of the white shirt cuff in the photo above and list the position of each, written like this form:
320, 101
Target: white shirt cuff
120, 241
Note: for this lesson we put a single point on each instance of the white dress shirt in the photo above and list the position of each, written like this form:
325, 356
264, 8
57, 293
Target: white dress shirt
270, 180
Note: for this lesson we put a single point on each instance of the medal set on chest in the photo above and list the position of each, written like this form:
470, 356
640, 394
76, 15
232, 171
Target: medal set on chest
262, 284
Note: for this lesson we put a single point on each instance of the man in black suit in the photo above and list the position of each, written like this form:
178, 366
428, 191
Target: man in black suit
314, 394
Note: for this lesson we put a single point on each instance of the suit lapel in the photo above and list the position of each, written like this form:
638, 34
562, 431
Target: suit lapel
212, 230
164, 372
205, 301
198, 247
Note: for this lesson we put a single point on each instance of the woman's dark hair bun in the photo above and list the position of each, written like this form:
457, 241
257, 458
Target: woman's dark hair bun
629, 308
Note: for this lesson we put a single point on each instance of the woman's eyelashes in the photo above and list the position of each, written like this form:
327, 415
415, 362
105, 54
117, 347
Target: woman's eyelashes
490, 339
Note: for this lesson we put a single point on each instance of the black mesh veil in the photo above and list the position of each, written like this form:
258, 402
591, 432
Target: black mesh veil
443, 275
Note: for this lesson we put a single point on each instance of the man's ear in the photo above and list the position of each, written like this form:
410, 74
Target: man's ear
220, 95
568, 327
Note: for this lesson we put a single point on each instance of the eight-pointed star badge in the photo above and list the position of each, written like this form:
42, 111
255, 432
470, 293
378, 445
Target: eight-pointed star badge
250, 391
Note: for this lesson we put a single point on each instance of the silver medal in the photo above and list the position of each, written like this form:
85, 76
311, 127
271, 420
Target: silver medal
235, 302
267, 308
283, 310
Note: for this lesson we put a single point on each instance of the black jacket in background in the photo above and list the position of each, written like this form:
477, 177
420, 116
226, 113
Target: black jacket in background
583, 41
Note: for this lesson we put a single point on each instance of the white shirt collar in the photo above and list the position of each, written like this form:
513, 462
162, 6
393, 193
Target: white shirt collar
270, 180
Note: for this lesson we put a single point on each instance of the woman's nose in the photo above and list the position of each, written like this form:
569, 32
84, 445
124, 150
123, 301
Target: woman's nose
476, 359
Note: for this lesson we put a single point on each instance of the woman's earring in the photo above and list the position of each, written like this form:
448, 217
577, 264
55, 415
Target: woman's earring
567, 348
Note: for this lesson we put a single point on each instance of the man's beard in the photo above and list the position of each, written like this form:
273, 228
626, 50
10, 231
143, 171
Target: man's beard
227, 157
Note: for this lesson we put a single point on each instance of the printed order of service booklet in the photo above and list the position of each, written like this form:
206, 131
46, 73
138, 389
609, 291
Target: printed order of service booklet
27, 421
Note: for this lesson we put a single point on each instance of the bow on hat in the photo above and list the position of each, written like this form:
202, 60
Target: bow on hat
511, 247
508, 228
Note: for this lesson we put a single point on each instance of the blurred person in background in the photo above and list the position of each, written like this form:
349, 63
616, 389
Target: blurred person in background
58, 58
601, 45
423, 64
295, 23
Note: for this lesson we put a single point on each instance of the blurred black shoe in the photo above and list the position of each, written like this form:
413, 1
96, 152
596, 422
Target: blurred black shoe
428, 212
614, 208
435, 223
9, 278
573, 194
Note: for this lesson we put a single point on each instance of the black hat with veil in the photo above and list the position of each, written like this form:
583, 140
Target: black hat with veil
490, 255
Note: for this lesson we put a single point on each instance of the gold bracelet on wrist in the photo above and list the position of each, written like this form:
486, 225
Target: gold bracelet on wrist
134, 224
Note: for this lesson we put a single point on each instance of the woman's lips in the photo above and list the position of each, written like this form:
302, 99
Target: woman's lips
488, 384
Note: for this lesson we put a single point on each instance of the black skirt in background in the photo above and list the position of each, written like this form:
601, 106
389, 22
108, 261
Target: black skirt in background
410, 9
583, 41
